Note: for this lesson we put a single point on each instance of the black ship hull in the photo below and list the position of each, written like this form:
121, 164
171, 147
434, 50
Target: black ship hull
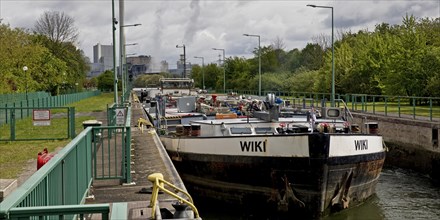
313, 186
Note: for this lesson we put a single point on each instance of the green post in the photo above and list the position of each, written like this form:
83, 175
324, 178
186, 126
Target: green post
386, 106
414, 107
71, 121
430, 109
374, 105
398, 105
12, 121
128, 153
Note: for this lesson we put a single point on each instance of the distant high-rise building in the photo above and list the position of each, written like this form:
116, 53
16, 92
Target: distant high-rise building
103, 54
102, 59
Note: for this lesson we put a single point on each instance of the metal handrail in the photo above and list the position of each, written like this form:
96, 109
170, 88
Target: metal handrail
346, 108
158, 183
60, 210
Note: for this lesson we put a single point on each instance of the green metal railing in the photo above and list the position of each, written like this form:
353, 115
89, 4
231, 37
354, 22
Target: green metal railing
63, 180
16, 97
60, 212
420, 108
60, 125
59, 187
39, 100
111, 157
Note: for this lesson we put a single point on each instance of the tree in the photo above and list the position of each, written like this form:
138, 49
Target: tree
56, 31
106, 81
292, 62
407, 76
239, 73
213, 77
312, 57
196, 74
57, 26
17, 49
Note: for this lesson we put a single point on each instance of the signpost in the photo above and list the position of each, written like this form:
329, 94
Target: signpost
120, 116
41, 117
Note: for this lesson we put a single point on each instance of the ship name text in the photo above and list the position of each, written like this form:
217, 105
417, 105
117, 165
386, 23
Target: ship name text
253, 146
361, 144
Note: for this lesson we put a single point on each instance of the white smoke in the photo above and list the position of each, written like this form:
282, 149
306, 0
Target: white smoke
193, 23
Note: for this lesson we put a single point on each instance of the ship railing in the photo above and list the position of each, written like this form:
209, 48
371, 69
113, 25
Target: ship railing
347, 110
158, 184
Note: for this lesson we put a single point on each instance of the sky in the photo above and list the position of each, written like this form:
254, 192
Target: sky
201, 25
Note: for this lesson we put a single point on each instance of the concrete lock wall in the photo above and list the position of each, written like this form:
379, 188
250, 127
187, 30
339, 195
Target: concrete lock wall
412, 144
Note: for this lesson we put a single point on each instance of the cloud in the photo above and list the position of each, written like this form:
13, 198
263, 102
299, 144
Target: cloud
202, 25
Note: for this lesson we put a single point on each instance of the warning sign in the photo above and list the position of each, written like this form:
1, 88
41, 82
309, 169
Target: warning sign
41, 117
120, 116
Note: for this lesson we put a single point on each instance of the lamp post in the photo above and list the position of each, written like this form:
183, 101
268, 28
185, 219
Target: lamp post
203, 71
333, 55
25, 69
224, 71
259, 60
115, 74
122, 53
184, 59
125, 79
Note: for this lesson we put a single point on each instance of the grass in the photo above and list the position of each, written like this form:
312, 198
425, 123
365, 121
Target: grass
16, 154
405, 109
392, 108
94, 104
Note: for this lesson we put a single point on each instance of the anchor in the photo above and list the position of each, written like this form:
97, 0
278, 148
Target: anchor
288, 196
341, 199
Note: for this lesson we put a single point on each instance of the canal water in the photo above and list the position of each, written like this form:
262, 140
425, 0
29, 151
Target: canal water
400, 195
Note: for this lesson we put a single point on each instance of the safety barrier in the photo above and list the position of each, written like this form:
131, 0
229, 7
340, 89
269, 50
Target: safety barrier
16, 97
43, 124
39, 100
60, 212
63, 180
420, 108
62, 184
111, 148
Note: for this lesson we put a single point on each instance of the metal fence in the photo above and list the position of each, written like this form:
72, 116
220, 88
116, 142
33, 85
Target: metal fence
63, 180
411, 107
38, 100
16, 97
54, 123
62, 184
111, 153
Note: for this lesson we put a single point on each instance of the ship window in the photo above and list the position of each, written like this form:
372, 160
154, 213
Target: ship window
263, 130
333, 113
241, 131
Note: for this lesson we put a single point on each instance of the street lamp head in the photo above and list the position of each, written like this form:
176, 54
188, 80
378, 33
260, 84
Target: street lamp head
313, 6
131, 25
